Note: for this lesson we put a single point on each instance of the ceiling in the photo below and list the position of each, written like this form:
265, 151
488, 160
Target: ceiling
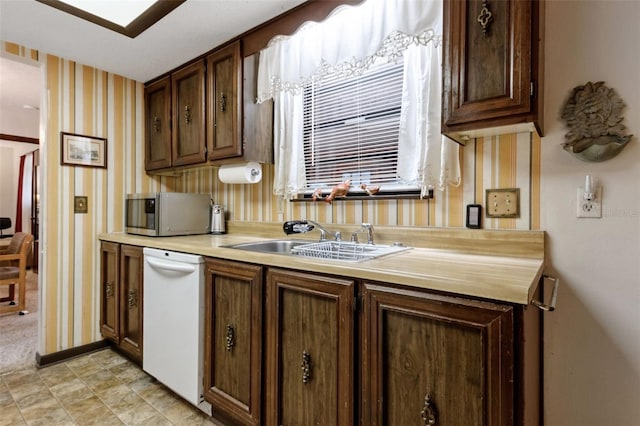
19, 85
193, 28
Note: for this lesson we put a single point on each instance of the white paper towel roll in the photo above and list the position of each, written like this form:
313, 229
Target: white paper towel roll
240, 173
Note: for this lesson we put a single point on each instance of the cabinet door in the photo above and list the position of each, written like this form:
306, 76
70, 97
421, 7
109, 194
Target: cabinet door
109, 292
434, 357
257, 121
233, 340
188, 103
224, 74
487, 72
158, 124
131, 270
309, 356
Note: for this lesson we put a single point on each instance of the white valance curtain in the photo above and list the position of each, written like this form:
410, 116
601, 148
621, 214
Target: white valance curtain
348, 42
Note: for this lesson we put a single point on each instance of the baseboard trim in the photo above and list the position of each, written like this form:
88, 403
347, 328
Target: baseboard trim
64, 355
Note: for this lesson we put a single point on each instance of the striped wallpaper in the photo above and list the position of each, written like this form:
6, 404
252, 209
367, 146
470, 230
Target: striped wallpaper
84, 100
507, 161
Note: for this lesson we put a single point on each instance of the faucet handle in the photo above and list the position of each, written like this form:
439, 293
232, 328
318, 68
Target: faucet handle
369, 228
296, 227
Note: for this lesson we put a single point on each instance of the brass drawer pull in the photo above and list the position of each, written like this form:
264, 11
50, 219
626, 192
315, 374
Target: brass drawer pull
428, 413
223, 102
554, 295
230, 338
485, 17
132, 300
108, 289
306, 367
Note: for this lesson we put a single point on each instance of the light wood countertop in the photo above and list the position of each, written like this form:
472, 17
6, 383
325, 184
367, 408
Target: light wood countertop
499, 265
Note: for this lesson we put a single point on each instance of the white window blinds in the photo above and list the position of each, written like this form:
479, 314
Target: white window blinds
376, 137
351, 127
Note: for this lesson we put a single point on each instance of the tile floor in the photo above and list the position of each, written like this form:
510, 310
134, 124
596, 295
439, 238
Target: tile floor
101, 388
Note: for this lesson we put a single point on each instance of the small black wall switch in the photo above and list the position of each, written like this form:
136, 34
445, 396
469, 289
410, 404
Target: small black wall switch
474, 216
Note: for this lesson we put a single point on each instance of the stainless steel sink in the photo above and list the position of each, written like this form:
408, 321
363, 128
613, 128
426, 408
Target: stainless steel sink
335, 250
271, 246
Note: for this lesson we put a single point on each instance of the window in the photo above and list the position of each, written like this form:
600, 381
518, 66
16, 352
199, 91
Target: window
350, 130
381, 126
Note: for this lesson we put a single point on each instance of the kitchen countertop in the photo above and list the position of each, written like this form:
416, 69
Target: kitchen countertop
499, 265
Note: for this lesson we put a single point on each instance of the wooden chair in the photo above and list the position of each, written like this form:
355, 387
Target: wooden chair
14, 270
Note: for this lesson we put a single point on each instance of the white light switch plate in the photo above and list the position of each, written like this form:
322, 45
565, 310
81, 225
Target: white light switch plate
589, 209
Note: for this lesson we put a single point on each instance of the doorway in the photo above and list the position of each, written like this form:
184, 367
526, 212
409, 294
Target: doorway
21, 88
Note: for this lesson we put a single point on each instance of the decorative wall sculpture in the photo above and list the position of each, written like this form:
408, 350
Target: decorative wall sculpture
593, 114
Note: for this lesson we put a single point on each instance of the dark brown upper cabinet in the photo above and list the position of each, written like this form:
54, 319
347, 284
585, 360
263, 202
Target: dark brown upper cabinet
175, 119
238, 129
224, 107
492, 68
158, 124
223, 85
188, 112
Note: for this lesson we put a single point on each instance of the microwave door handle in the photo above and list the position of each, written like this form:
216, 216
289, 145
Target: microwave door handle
170, 266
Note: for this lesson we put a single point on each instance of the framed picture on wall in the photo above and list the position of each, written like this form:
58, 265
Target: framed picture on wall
80, 150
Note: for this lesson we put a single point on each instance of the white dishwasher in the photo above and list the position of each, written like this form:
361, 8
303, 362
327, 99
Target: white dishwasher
173, 322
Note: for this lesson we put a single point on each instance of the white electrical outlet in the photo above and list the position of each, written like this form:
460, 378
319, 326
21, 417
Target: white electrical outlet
585, 208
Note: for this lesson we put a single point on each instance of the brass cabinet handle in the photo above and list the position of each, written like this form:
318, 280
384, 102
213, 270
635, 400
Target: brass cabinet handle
428, 413
485, 17
187, 113
108, 289
231, 337
156, 124
223, 102
132, 300
306, 367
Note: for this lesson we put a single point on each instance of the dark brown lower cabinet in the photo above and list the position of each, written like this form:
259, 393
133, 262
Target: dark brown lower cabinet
447, 361
310, 350
288, 348
233, 340
131, 272
121, 297
109, 291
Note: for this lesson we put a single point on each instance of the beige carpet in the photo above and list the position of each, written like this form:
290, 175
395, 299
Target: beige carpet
18, 333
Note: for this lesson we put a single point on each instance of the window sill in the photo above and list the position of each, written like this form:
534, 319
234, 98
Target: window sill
413, 195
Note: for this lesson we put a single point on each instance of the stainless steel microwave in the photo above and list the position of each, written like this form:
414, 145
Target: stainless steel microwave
161, 214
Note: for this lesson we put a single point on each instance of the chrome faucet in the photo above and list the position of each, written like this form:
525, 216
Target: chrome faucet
303, 226
366, 227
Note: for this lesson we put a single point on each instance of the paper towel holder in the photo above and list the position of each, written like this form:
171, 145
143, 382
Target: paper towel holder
240, 173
